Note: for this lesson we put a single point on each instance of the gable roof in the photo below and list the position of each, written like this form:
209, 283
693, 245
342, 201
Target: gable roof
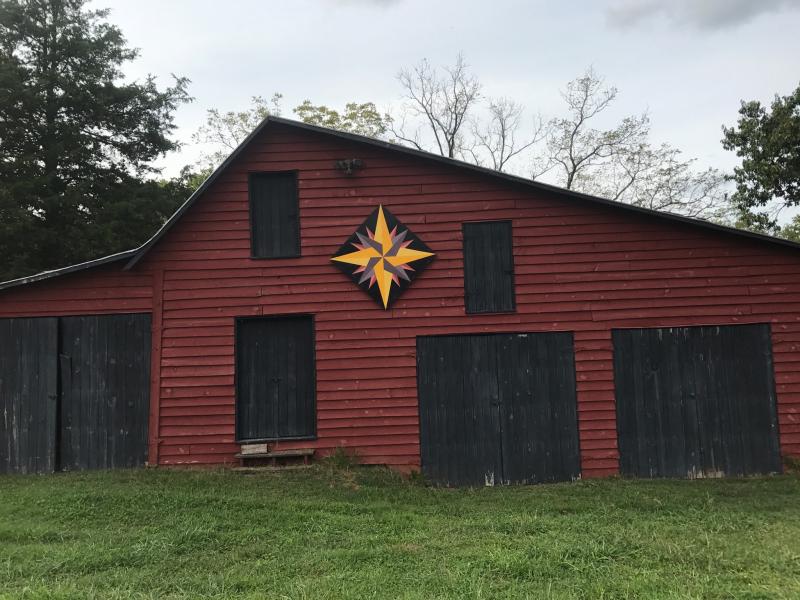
135, 255
429, 156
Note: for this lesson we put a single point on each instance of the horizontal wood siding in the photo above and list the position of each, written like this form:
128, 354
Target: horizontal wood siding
101, 290
578, 267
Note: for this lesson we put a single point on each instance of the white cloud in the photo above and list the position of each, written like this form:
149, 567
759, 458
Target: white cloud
700, 14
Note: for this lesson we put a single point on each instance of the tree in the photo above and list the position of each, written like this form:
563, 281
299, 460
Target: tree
362, 119
140, 207
498, 137
658, 178
442, 101
620, 163
223, 132
578, 151
76, 142
768, 141
444, 111
791, 231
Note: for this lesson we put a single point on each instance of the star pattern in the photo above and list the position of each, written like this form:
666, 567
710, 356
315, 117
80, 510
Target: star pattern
383, 256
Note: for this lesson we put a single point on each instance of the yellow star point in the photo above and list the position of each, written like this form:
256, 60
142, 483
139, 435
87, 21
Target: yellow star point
382, 231
360, 257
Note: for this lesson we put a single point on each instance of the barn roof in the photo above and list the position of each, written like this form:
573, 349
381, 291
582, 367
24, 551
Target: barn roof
132, 257
119, 257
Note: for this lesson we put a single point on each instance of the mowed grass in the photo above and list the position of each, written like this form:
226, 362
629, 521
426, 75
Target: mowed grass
367, 533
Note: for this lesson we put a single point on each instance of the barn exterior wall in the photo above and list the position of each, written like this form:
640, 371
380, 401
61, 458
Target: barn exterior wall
102, 290
579, 267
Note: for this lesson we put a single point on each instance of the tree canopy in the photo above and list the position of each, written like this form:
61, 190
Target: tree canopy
360, 118
76, 140
222, 132
768, 141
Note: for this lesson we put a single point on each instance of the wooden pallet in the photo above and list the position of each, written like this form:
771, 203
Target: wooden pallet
275, 455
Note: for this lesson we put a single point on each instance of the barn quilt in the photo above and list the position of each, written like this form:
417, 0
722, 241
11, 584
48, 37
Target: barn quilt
383, 257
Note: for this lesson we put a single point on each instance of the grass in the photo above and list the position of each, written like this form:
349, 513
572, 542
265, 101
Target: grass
336, 532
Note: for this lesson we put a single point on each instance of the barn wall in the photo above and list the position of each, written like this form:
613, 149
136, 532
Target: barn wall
579, 267
102, 290
106, 289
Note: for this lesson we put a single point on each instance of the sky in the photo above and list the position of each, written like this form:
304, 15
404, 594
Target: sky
689, 63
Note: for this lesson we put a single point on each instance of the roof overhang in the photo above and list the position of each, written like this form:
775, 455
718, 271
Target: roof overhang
70, 269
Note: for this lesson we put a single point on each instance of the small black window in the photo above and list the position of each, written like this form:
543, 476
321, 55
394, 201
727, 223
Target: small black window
488, 267
274, 215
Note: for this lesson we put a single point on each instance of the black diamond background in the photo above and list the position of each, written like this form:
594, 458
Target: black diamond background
416, 244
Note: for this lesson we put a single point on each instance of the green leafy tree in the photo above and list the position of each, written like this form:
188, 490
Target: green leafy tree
791, 231
224, 131
362, 119
189, 179
768, 141
76, 141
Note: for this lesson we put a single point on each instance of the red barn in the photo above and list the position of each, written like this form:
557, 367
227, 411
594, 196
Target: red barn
324, 290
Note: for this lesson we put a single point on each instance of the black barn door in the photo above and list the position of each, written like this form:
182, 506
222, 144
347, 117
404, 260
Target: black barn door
275, 378
538, 407
74, 392
105, 387
459, 409
696, 401
497, 408
28, 394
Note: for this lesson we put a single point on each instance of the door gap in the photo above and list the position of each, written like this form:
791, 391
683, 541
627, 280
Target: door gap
499, 413
59, 394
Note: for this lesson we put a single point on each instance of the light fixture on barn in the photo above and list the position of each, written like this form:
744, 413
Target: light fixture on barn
349, 166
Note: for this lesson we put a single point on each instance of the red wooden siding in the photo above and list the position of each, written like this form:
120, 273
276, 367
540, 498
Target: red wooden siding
105, 289
578, 267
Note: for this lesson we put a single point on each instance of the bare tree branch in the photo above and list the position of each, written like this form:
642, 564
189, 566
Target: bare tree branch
442, 101
620, 163
498, 137
574, 146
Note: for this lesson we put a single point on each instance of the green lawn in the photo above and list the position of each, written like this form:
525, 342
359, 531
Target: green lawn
367, 533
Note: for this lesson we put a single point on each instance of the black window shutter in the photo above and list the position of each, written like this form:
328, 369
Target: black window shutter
488, 267
274, 215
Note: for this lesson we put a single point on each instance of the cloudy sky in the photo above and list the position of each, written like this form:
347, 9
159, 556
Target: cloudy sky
689, 62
